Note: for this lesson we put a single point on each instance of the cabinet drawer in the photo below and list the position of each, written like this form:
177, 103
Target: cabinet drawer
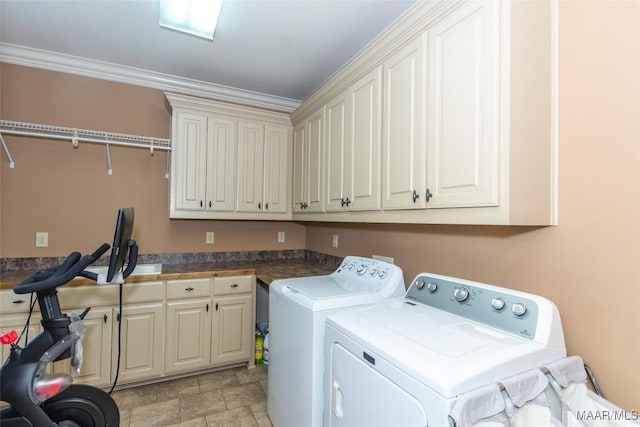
233, 285
13, 303
97, 295
178, 289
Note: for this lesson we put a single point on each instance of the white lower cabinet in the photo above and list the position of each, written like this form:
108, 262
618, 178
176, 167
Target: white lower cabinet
142, 341
188, 323
97, 342
233, 320
167, 328
17, 322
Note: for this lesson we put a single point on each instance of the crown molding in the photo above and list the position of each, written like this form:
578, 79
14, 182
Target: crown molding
53, 61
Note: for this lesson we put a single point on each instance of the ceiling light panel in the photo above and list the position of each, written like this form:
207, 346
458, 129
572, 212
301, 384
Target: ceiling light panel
195, 17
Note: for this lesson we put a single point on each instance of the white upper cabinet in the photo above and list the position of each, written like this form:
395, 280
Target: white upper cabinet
204, 161
263, 168
463, 106
468, 119
221, 161
308, 162
338, 153
352, 171
190, 156
404, 142
228, 161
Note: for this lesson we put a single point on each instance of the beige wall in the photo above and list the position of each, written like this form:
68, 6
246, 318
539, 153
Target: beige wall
67, 191
588, 265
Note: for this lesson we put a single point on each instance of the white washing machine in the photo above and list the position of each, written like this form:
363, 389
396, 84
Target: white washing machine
297, 312
402, 362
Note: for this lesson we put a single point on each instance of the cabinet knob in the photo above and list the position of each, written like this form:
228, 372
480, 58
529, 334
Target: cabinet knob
266, 206
209, 203
234, 285
428, 195
189, 289
415, 196
259, 206
201, 204
105, 318
18, 301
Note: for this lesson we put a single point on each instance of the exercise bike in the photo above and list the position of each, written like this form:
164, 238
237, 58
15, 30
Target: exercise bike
42, 399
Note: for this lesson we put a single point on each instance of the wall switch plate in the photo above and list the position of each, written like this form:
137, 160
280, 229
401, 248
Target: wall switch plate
334, 243
383, 258
42, 239
281, 236
209, 238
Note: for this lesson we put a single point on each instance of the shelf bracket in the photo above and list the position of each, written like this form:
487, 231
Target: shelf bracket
6, 150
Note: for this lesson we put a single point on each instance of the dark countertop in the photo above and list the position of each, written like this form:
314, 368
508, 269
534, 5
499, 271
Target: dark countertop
266, 271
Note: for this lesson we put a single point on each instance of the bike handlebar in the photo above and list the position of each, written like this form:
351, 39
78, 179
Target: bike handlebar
51, 278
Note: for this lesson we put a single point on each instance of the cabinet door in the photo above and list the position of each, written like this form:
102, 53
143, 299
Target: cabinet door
142, 336
232, 329
250, 166
299, 166
188, 336
403, 138
314, 161
363, 159
277, 164
221, 164
17, 322
338, 153
97, 350
189, 178
464, 70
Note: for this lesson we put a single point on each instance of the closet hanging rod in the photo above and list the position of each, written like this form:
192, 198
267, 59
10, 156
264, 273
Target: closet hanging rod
84, 135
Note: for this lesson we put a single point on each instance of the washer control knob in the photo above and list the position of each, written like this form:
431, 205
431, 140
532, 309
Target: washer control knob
350, 266
382, 274
497, 304
420, 284
460, 294
361, 269
373, 272
432, 287
518, 309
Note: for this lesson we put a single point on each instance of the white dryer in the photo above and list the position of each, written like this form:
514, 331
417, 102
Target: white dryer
297, 313
403, 361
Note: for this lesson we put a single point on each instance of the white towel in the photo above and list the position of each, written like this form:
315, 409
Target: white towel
568, 370
481, 407
525, 387
526, 403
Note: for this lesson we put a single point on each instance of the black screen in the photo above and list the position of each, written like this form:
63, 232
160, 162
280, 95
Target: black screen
120, 248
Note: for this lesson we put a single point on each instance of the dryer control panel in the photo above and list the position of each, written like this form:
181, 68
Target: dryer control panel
520, 313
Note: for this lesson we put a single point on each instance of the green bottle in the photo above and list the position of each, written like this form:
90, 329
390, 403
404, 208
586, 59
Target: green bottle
259, 347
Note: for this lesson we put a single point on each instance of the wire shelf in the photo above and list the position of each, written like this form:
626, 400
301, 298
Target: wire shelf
83, 135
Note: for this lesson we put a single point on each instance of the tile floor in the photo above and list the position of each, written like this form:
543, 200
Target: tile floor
229, 398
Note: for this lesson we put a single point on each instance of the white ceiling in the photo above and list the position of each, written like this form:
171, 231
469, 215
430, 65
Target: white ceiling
274, 47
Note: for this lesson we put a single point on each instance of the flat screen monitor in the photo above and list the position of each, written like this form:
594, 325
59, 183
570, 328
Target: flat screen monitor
120, 247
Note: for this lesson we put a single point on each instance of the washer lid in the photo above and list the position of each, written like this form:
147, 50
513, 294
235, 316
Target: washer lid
324, 287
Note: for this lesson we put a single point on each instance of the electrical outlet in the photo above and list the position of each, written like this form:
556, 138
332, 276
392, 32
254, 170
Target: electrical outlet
209, 237
42, 239
335, 241
281, 236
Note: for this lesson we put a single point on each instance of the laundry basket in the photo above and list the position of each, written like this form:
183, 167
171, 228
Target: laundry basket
556, 395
